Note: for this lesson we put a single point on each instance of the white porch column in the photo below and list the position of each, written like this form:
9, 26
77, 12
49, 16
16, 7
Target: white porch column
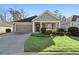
56, 25
33, 27
59, 24
40, 25
14, 27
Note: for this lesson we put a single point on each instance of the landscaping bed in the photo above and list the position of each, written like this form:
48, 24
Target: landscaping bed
39, 42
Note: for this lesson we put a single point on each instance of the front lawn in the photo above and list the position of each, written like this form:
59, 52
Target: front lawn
36, 43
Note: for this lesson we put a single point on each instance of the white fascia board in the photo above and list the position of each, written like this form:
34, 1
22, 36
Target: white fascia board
46, 21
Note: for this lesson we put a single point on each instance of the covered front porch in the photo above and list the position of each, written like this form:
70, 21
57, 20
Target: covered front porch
49, 25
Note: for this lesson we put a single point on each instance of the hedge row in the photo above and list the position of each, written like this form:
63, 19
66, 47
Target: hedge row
71, 31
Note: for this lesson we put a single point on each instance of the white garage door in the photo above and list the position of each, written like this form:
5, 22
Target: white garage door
23, 28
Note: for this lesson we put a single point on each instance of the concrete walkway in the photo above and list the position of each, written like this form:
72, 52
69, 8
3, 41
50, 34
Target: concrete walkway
12, 43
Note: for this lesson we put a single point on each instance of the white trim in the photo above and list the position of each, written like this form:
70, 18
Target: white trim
56, 25
40, 25
59, 25
15, 28
33, 26
57, 22
46, 21
23, 23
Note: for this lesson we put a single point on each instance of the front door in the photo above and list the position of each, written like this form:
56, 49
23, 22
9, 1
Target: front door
37, 26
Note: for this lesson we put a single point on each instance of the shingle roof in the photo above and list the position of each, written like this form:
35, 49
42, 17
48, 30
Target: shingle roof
29, 19
75, 17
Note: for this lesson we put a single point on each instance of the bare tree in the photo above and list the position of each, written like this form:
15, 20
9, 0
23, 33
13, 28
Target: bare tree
22, 13
3, 15
16, 14
58, 14
63, 18
11, 14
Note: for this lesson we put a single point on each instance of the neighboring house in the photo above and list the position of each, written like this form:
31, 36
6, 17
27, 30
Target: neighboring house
5, 25
35, 23
72, 21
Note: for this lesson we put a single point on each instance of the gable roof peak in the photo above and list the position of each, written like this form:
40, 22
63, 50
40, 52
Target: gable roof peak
47, 11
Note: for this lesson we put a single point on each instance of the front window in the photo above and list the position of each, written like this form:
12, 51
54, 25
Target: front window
49, 26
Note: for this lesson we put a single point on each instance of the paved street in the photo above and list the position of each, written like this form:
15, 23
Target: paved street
12, 43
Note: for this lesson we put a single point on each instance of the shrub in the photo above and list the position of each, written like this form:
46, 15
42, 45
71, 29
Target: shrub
8, 30
43, 30
60, 33
73, 29
48, 32
75, 33
68, 33
60, 30
54, 33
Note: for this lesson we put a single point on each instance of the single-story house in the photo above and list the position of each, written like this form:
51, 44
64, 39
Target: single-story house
35, 23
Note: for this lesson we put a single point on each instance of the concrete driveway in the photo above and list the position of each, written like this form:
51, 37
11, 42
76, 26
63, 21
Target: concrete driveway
12, 43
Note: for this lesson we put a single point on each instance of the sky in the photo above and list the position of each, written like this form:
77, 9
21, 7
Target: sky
36, 9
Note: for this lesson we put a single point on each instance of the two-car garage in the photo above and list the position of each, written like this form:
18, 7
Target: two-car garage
23, 27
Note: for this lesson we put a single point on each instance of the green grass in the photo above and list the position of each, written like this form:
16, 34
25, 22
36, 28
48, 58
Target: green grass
58, 43
37, 42
64, 43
